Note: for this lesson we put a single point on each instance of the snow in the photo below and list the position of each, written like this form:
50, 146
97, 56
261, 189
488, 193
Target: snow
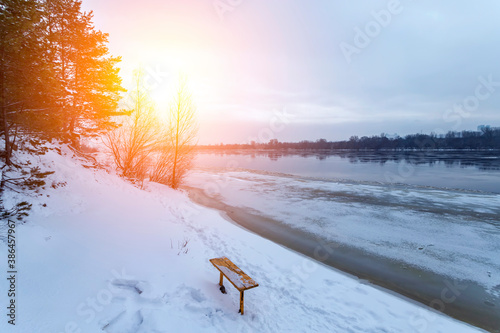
101, 255
452, 233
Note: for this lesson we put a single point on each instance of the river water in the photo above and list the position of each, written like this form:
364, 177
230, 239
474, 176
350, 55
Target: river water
476, 171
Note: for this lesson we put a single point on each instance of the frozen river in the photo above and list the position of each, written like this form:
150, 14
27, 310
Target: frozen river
424, 227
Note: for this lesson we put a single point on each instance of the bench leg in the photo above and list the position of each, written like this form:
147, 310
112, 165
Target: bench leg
241, 302
222, 288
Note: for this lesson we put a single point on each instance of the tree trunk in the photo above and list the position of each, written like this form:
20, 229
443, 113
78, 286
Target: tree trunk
6, 134
176, 152
3, 103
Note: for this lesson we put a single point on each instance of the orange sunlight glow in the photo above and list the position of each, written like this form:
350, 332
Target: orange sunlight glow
162, 76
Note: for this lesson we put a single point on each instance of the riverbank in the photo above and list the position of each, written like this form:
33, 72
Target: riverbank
467, 301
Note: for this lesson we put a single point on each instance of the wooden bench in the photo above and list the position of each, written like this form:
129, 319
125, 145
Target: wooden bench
236, 276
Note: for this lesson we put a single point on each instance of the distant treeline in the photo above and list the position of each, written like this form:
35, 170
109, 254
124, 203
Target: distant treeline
486, 138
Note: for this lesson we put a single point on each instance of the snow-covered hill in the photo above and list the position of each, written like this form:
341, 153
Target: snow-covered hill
100, 255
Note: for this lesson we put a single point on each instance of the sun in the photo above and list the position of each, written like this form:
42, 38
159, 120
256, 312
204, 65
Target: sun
163, 64
190, 65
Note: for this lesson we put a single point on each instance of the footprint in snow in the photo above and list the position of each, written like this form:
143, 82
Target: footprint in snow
129, 297
131, 285
197, 295
125, 323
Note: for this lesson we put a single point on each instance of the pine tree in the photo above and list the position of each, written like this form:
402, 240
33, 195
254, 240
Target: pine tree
87, 83
56, 75
95, 82
19, 63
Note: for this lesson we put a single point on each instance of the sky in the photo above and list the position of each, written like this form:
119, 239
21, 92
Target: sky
304, 70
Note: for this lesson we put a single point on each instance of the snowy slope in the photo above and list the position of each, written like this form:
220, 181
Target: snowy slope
100, 255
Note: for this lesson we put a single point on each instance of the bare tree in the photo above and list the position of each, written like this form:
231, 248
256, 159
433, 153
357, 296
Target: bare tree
132, 144
179, 139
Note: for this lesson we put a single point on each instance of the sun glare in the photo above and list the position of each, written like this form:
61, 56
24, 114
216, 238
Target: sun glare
163, 71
